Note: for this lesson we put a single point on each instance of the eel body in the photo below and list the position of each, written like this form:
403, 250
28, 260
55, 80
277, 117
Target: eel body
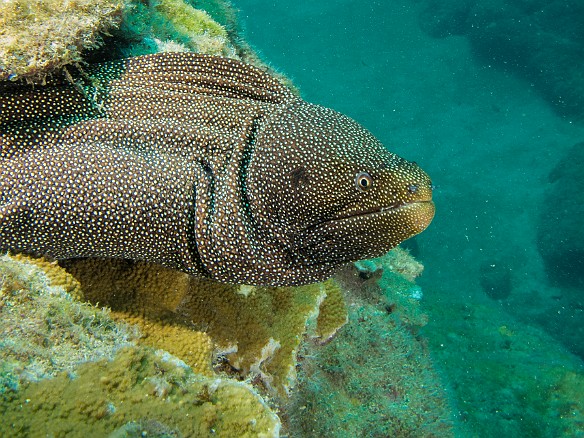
201, 164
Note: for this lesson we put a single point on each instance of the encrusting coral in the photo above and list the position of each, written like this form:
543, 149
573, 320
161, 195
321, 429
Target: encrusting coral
257, 330
100, 381
142, 388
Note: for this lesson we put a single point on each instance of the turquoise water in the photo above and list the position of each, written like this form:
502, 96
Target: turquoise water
488, 99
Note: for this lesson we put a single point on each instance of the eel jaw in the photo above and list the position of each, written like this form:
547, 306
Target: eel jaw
367, 234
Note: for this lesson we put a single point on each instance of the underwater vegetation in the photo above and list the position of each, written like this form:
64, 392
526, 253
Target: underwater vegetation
375, 378
178, 356
40, 37
222, 332
540, 40
69, 367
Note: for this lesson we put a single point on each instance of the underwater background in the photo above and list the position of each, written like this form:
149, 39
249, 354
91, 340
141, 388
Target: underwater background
488, 97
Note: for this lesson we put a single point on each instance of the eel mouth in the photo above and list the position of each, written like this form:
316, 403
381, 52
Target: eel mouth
392, 208
367, 233
422, 210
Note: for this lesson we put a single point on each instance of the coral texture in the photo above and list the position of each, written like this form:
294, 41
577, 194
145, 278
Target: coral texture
139, 388
43, 330
37, 37
57, 276
257, 330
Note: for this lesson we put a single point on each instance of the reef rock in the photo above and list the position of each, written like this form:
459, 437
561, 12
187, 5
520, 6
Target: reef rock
541, 40
560, 236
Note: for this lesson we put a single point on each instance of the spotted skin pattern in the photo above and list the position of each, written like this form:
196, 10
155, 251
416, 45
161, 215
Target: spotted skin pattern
201, 164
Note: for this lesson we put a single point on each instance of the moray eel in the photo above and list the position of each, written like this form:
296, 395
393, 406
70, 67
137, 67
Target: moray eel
201, 164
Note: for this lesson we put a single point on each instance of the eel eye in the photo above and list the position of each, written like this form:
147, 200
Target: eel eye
363, 181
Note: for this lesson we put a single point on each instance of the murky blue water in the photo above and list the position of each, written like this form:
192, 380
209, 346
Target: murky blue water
487, 97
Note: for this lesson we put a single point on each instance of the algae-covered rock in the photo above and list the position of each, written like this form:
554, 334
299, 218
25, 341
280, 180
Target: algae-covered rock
376, 377
174, 25
38, 37
44, 330
390, 280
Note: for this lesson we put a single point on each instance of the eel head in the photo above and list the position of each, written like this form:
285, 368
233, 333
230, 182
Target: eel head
330, 192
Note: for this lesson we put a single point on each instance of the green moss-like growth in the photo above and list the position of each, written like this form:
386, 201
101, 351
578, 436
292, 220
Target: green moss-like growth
171, 25
139, 391
44, 331
374, 379
38, 37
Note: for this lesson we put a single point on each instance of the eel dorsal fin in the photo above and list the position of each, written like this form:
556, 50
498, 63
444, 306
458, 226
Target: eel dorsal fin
192, 73
149, 86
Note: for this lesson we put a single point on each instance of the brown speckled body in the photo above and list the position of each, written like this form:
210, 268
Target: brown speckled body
201, 164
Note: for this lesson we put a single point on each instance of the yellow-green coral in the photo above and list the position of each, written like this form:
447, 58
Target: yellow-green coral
38, 37
57, 276
258, 330
137, 288
194, 347
138, 387
332, 313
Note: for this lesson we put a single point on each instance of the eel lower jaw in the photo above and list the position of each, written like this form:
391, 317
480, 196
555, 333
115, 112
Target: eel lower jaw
425, 206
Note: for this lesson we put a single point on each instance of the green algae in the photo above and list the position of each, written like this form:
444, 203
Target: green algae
44, 331
375, 378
